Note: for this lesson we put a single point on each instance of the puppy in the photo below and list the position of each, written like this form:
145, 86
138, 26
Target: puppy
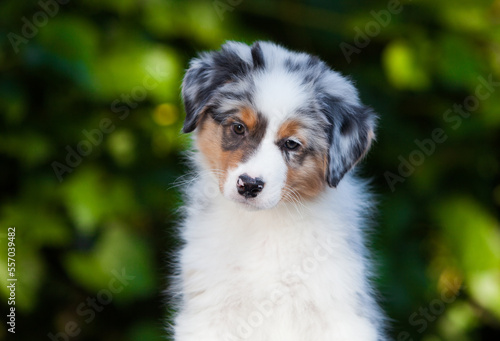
274, 218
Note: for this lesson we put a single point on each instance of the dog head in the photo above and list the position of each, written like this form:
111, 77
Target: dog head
272, 124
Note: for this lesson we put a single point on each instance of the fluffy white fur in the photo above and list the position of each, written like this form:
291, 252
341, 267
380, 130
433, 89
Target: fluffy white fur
267, 269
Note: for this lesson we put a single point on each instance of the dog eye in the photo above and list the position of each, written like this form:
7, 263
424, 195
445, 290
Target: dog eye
291, 144
239, 128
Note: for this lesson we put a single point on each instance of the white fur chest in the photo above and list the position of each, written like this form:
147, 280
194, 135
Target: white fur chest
285, 274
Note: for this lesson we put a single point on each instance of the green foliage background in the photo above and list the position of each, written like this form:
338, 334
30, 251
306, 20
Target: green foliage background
119, 64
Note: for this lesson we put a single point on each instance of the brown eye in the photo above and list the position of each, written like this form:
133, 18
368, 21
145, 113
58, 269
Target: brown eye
239, 128
291, 144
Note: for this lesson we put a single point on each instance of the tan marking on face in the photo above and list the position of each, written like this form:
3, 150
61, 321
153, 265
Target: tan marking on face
289, 128
209, 142
307, 180
249, 117
231, 159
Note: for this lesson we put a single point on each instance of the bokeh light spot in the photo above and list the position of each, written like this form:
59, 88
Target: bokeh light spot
165, 114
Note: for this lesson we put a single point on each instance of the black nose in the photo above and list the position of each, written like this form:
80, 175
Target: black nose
249, 187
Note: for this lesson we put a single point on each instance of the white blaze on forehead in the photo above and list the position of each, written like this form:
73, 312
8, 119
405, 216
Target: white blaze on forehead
278, 93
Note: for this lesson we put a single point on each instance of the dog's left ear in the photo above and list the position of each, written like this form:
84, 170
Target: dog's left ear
351, 131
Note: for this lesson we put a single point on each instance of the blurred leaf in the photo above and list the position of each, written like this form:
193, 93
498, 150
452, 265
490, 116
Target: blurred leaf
151, 72
490, 110
118, 249
145, 332
30, 147
12, 102
469, 17
402, 68
90, 197
85, 199
204, 23
474, 238
162, 18
71, 37
460, 319
68, 46
458, 62
29, 272
121, 145
120, 6
29, 266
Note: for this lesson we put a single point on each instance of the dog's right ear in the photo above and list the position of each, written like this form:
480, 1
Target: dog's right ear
205, 75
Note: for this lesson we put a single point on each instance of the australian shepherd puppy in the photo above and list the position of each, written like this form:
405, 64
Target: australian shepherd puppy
274, 222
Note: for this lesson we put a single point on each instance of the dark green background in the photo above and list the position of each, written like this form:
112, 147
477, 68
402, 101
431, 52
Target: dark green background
68, 71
